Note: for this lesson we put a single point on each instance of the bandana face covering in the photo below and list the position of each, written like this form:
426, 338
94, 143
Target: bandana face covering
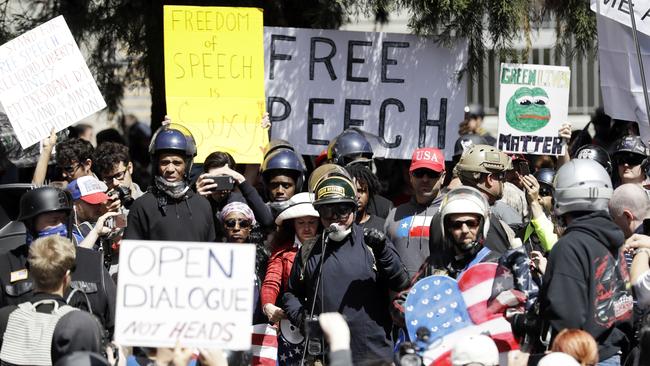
59, 229
174, 190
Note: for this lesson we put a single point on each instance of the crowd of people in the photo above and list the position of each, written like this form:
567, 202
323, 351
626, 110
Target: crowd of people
341, 240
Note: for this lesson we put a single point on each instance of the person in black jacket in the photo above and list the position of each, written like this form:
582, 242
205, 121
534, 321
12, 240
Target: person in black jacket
46, 211
63, 329
584, 285
346, 270
170, 210
221, 163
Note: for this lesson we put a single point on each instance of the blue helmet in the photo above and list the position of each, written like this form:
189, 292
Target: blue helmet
284, 160
350, 145
173, 138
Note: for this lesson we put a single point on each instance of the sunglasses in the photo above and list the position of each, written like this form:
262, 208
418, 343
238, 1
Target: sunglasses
472, 224
232, 223
420, 173
335, 211
499, 176
630, 159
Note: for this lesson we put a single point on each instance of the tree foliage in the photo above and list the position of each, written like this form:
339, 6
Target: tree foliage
124, 39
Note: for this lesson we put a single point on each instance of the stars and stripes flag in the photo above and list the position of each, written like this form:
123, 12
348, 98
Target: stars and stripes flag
452, 310
264, 345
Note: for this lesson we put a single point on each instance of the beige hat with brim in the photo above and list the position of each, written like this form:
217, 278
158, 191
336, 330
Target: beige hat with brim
300, 206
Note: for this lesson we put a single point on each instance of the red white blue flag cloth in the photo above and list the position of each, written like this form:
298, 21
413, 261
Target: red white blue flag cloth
414, 227
264, 345
452, 310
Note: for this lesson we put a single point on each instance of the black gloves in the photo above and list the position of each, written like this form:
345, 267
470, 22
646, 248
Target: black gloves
375, 239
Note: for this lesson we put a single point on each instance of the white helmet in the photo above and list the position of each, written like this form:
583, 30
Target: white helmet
581, 185
464, 200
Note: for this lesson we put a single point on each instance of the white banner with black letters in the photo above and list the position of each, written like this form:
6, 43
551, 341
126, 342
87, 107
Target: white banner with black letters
196, 294
404, 89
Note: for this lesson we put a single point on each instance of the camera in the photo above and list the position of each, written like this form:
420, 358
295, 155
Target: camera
224, 182
313, 335
124, 194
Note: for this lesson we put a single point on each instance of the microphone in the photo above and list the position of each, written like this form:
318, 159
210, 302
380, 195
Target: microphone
330, 229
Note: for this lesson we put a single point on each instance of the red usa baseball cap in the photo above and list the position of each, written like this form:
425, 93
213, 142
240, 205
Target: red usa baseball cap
428, 158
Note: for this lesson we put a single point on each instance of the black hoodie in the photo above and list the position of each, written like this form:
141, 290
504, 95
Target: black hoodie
585, 283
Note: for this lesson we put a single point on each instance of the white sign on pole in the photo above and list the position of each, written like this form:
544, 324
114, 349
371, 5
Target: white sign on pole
619, 11
45, 82
197, 294
402, 88
533, 105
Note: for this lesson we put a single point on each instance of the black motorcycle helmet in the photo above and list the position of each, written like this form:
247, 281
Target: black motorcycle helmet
277, 144
42, 200
464, 142
349, 146
597, 153
284, 160
474, 110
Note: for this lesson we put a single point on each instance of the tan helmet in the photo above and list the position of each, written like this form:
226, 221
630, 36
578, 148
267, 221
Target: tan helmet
482, 159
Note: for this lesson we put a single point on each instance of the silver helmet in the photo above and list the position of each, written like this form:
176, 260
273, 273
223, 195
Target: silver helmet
581, 185
465, 200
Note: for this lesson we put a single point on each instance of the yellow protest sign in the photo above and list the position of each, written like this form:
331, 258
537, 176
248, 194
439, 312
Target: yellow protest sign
214, 78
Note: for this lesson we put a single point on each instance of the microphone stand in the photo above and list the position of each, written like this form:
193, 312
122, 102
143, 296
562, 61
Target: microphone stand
324, 240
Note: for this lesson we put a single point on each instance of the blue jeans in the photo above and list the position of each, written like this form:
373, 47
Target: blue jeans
612, 361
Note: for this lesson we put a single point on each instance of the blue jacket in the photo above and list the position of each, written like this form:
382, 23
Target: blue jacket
355, 282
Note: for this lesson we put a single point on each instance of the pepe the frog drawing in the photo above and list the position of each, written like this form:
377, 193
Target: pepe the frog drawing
527, 109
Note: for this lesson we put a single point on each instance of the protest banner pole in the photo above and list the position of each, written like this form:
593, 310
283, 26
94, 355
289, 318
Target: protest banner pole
640, 59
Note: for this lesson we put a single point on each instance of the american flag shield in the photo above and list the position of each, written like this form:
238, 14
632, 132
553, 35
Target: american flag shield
452, 310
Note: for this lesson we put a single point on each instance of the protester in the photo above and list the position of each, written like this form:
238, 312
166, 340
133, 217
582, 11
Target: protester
170, 210
222, 164
283, 173
296, 224
539, 234
473, 123
346, 270
63, 329
639, 246
74, 158
351, 147
629, 206
368, 186
558, 358
485, 167
586, 275
112, 164
407, 224
90, 215
577, 344
475, 349
465, 220
630, 154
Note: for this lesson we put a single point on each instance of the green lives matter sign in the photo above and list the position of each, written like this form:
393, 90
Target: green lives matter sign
533, 105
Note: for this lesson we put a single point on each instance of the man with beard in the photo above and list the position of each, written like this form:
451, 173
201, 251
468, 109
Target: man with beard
482, 167
407, 224
170, 210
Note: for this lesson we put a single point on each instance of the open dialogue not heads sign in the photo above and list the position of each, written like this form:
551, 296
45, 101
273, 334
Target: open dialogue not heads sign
197, 294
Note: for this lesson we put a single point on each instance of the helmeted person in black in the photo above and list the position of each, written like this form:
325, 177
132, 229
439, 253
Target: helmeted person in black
46, 211
346, 270
62, 328
170, 210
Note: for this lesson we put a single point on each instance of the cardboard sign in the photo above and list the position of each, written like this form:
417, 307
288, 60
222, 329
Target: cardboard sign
214, 78
45, 82
402, 88
533, 105
198, 294
619, 11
